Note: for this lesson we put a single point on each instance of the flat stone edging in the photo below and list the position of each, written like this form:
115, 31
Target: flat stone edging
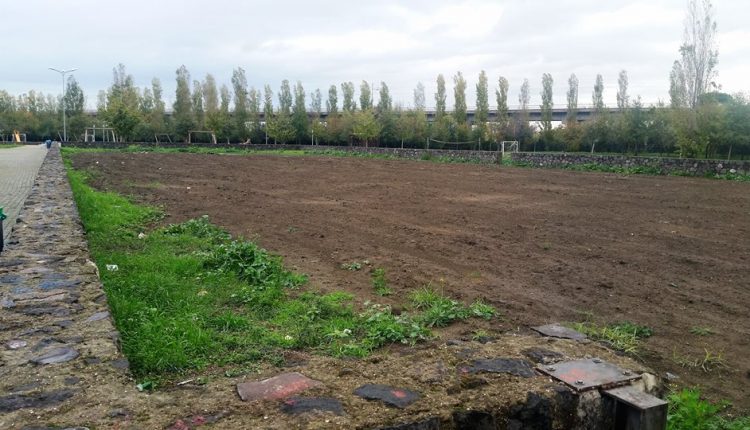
59, 362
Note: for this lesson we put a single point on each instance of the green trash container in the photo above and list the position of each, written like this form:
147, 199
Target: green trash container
2, 217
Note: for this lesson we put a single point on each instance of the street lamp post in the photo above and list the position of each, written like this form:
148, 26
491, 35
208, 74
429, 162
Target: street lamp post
62, 99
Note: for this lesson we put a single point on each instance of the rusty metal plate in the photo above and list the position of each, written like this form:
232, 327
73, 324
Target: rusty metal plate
589, 374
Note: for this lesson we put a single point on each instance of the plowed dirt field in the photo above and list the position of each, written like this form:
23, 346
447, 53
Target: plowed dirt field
541, 246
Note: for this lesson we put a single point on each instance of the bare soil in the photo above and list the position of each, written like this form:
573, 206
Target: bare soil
541, 246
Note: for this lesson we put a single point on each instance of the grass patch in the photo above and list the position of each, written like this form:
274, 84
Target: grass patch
635, 170
189, 296
701, 331
380, 283
354, 266
707, 362
730, 177
311, 151
624, 336
687, 411
438, 310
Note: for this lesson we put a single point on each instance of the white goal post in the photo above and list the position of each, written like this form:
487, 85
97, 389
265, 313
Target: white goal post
511, 145
107, 134
208, 132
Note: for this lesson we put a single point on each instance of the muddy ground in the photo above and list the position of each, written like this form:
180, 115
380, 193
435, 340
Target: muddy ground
542, 246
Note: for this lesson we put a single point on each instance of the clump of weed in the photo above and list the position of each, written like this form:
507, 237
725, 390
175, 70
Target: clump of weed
253, 265
623, 336
688, 411
352, 267
707, 362
701, 331
479, 335
382, 326
439, 310
200, 228
380, 283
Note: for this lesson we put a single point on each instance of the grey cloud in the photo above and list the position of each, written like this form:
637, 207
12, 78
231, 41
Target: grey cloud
327, 42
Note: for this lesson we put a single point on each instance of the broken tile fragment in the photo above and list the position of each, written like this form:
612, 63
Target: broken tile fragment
513, 366
277, 387
299, 405
393, 396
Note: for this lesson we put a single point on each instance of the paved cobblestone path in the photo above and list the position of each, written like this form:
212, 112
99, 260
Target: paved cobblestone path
18, 169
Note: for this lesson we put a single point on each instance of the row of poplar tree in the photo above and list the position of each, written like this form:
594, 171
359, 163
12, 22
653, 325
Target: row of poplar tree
708, 124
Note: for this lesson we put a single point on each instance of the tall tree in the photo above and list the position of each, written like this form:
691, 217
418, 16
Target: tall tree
365, 96
459, 107
385, 103
622, 90
316, 102
524, 96
253, 110
698, 52
316, 107
677, 87
198, 111
75, 102
347, 90
268, 108
285, 98
547, 102
386, 116
123, 104
598, 95
332, 104
299, 113
223, 127
459, 98
501, 96
365, 126
281, 128
571, 117
522, 130
482, 113
157, 118
210, 94
440, 97
419, 97
239, 85
182, 110
211, 104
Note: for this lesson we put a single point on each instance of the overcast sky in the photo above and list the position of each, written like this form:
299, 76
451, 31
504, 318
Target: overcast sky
327, 42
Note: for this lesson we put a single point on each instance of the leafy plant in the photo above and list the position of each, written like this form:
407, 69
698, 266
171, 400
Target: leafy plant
380, 283
438, 310
623, 336
353, 266
707, 362
687, 411
701, 331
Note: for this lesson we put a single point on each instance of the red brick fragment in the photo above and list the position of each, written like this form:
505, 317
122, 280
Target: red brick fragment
276, 388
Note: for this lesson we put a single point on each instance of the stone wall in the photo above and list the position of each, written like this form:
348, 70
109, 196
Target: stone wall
484, 157
664, 166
